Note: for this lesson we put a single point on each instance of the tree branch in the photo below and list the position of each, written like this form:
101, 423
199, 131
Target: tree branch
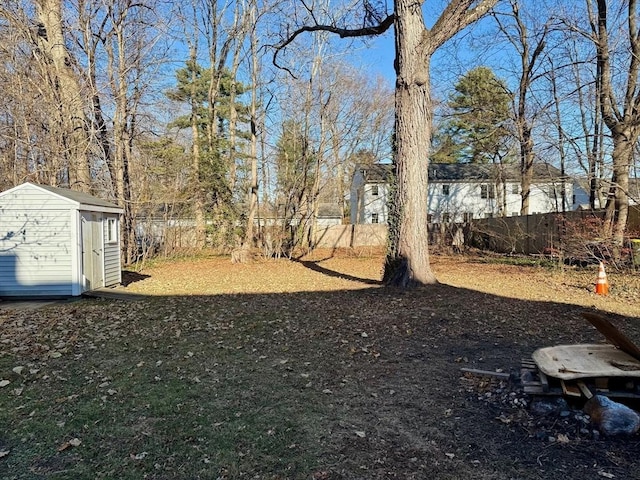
341, 32
457, 15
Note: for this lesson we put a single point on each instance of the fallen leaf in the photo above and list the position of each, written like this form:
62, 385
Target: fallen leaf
74, 442
504, 420
562, 438
18, 370
55, 354
450, 455
4, 383
606, 474
360, 434
4, 453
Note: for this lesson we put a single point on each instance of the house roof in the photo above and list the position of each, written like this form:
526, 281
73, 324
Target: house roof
507, 172
376, 173
380, 173
84, 200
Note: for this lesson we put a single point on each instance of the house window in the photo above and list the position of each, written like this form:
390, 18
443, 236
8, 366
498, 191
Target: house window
112, 232
374, 191
374, 218
487, 191
488, 215
446, 217
514, 189
445, 190
467, 217
429, 218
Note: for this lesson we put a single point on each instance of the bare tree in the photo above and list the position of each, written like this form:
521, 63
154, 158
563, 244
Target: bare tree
620, 112
530, 46
65, 83
407, 262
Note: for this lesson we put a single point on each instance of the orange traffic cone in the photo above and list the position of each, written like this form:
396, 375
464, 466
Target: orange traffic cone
602, 285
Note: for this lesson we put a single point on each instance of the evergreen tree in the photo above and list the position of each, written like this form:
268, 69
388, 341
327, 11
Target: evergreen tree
478, 131
192, 87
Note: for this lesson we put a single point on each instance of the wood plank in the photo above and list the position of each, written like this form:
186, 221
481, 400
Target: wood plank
487, 373
532, 389
544, 381
569, 362
602, 384
611, 333
584, 389
570, 390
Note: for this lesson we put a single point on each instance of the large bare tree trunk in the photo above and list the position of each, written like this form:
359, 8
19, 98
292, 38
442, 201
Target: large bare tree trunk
617, 206
68, 92
407, 262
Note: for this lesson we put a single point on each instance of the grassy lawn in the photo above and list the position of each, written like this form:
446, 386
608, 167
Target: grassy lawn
177, 387
312, 372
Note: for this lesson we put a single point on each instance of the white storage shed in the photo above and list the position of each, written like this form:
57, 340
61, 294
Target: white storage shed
57, 242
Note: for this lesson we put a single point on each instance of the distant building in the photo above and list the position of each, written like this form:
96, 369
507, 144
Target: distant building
460, 192
581, 189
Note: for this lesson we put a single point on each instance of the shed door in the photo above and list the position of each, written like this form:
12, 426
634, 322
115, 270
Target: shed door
92, 251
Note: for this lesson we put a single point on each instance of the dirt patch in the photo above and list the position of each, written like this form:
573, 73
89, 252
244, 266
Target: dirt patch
312, 369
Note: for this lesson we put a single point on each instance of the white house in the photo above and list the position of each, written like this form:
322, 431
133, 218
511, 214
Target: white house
460, 192
57, 242
581, 192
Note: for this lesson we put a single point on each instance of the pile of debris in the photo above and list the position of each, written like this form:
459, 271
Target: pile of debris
586, 385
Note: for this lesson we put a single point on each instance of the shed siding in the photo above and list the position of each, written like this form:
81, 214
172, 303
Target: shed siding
41, 242
112, 274
35, 247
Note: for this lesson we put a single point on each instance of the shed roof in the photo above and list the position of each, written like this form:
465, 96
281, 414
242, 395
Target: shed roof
83, 200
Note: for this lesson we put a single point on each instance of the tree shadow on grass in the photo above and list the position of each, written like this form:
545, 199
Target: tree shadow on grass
316, 267
129, 277
321, 384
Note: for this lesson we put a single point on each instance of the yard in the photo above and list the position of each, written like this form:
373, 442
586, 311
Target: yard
303, 370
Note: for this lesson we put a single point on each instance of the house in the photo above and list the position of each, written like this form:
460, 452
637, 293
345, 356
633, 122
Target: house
581, 190
57, 242
460, 192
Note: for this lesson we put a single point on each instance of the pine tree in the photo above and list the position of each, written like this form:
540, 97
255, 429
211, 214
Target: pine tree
478, 131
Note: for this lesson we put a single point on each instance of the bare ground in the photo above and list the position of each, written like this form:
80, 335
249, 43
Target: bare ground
385, 364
